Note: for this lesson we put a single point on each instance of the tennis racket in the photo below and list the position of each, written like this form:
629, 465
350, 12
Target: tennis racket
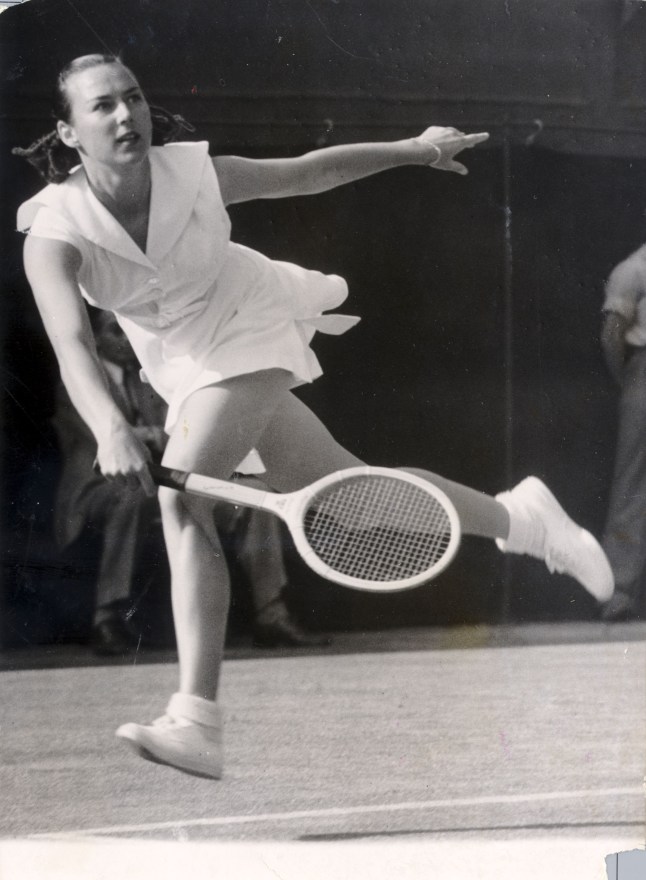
370, 528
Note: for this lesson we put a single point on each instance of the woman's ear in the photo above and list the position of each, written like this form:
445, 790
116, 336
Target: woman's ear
66, 134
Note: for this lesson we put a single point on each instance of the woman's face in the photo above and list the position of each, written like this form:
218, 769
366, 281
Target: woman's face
109, 117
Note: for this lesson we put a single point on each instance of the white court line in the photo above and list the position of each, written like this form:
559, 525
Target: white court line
331, 812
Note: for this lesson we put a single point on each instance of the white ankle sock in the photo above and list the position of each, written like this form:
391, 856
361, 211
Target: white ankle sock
196, 709
520, 526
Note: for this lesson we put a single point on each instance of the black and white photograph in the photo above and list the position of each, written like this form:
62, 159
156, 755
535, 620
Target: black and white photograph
323, 456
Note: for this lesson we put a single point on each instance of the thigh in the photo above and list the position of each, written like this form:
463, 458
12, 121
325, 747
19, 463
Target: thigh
298, 449
219, 424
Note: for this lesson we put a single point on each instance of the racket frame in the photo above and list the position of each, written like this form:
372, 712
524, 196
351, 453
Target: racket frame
291, 506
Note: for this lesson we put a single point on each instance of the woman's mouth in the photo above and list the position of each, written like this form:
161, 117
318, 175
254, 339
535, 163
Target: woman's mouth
129, 137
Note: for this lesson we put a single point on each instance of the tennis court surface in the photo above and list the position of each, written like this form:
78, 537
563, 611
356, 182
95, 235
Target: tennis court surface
463, 753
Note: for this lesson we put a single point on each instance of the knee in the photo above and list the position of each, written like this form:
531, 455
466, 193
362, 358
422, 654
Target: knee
181, 508
173, 505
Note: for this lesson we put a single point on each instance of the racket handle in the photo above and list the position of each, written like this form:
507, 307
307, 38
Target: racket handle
168, 477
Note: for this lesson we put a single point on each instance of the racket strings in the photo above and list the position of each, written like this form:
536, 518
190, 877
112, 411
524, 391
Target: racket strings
378, 528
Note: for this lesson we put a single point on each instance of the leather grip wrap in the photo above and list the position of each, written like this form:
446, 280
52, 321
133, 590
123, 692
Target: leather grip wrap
168, 477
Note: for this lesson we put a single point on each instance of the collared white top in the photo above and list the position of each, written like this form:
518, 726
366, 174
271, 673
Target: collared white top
196, 307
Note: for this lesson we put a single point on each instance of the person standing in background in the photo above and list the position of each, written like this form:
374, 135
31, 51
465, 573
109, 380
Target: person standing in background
623, 341
255, 539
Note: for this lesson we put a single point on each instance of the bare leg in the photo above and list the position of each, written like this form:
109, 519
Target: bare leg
199, 592
217, 427
298, 449
479, 513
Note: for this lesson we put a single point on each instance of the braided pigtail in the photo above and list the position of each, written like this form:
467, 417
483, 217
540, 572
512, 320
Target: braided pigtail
167, 126
50, 157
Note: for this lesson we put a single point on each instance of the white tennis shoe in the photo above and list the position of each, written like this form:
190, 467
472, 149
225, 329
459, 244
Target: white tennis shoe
540, 527
188, 737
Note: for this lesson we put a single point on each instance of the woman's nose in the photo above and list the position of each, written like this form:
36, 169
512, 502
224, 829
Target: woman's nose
123, 111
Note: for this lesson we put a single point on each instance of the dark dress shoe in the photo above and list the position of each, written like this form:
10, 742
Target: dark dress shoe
619, 608
112, 637
285, 633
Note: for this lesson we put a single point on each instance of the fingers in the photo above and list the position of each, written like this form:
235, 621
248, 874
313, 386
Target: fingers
138, 480
462, 142
470, 140
132, 481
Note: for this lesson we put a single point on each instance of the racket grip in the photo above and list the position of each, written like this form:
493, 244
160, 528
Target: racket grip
168, 477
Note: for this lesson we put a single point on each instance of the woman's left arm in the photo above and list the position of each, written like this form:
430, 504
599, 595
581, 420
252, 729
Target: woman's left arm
242, 180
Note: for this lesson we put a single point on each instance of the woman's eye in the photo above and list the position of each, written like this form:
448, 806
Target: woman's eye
136, 98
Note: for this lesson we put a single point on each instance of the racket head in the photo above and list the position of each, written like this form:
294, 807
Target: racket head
375, 529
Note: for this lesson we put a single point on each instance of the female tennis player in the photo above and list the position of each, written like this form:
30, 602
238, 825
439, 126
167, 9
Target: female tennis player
223, 334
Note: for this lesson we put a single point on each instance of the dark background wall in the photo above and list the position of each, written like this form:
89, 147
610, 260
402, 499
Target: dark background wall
478, 353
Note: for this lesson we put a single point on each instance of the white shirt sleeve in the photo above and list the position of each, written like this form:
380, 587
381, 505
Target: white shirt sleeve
48, 223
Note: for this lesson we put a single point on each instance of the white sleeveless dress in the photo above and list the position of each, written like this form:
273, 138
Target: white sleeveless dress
196, 307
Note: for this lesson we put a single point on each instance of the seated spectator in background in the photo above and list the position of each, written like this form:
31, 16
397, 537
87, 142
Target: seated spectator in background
256, 540
85, 499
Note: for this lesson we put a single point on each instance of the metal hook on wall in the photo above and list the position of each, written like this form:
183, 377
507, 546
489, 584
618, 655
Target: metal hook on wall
538, 128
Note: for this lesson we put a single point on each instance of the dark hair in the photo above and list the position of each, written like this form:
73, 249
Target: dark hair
53, 159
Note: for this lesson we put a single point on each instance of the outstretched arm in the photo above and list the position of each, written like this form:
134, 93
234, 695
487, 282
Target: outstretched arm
242, 180
51, 268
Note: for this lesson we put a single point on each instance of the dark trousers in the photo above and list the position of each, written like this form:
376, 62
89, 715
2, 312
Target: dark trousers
625, 533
